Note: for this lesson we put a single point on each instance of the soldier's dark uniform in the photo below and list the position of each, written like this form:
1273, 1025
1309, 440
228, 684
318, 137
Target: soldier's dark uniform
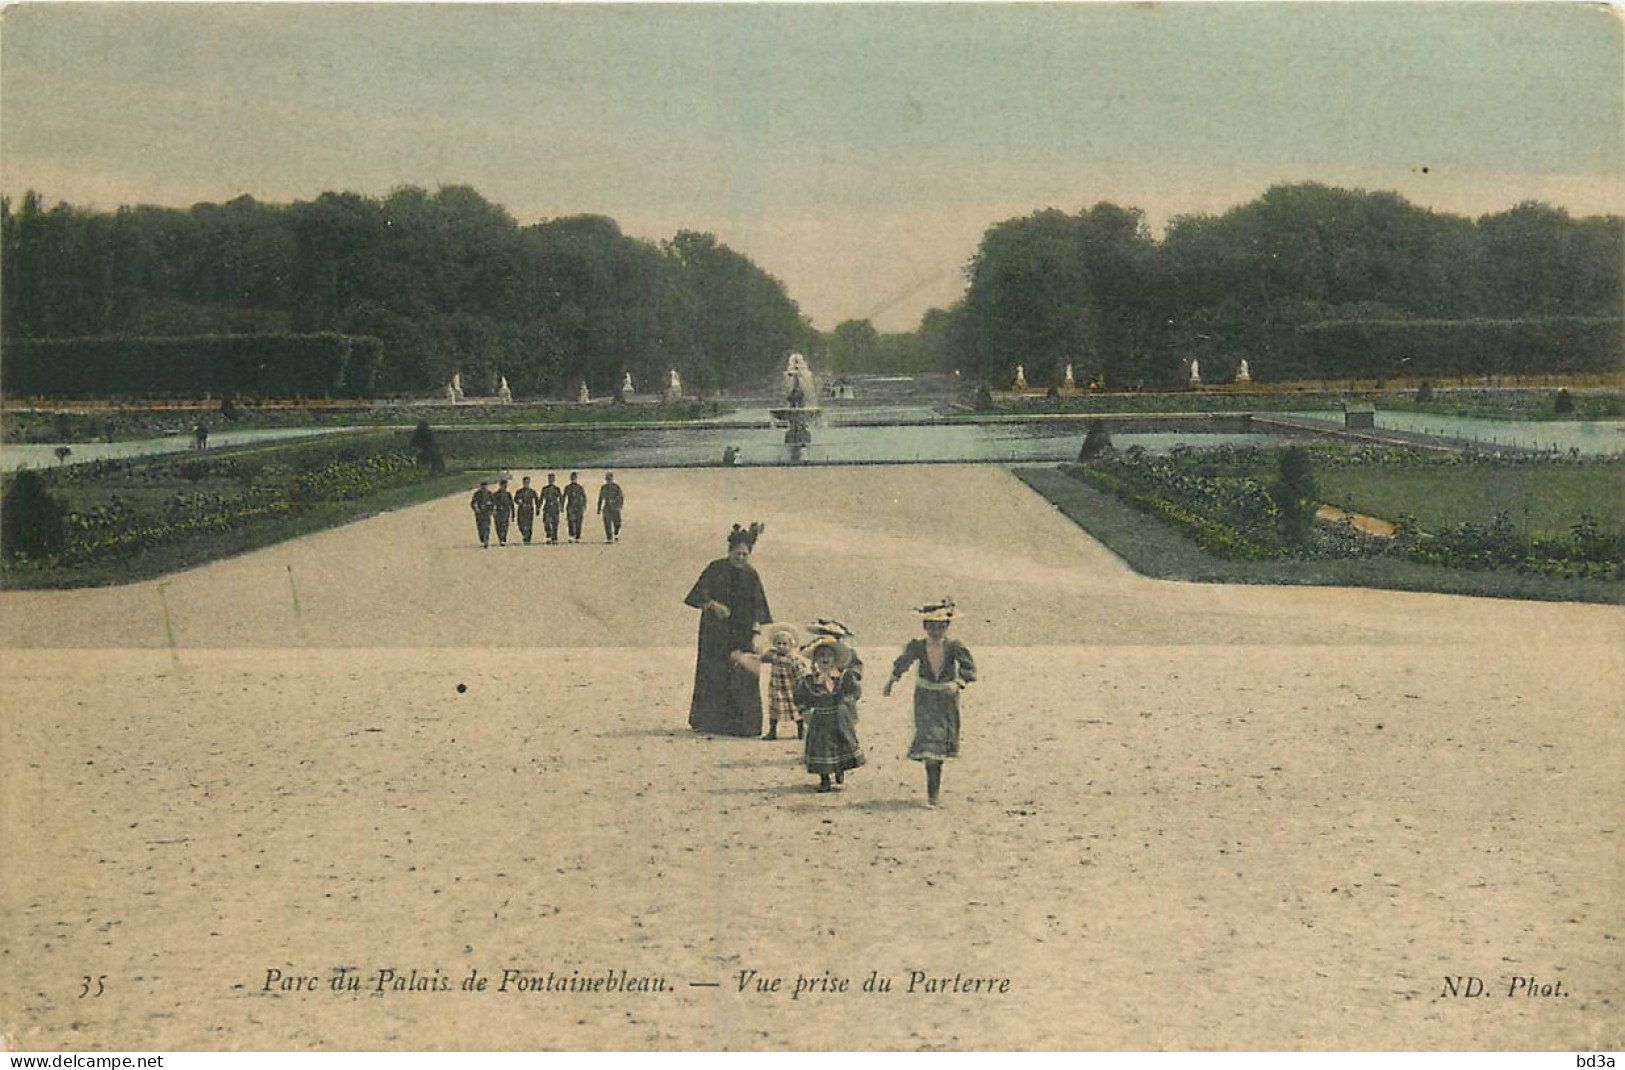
552, 498
575, 506
610, 500
502, 500
483, 503
525, 500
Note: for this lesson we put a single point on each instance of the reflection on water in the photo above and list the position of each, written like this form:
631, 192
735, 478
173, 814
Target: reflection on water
13, 457
871, 445
836, 442
1591, 437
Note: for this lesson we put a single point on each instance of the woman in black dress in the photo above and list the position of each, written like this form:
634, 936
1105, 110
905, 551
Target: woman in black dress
729, 596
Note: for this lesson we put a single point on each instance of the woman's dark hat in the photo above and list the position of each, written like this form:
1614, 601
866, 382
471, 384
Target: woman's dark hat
941, 611
747, 536
827, 626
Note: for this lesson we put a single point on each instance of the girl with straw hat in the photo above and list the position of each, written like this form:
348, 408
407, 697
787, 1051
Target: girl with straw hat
944, 668
828, 700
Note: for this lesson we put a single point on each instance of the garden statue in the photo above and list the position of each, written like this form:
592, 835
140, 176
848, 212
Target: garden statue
626, 385
583, 395
503, 392
1242, 374
1069, 382
674, 387
1020, 382
456, 386
1196, 373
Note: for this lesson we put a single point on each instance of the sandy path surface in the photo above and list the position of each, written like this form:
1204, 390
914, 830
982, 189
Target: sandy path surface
1186, 816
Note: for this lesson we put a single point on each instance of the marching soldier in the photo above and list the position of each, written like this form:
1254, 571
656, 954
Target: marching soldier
575, 506
610, 500
552, 498
503, 502
525, 500
483, 503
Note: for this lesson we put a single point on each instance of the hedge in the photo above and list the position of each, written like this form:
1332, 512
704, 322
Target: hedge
260, 365
1442, 348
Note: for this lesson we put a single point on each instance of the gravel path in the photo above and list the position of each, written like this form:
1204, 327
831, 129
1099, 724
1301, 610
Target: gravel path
1186, 816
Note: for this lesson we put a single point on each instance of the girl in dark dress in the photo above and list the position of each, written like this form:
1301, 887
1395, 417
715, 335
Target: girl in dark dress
945, 668
727, 692
828, 700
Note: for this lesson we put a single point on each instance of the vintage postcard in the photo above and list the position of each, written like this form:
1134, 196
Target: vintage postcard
971, 554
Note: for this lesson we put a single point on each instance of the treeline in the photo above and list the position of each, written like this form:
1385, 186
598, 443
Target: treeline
446, 281
1306, 281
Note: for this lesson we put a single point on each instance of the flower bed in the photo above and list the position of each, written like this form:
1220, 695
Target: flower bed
1221, 498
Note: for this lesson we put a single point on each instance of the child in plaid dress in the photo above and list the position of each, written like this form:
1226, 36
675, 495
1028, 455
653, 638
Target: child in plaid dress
788, 668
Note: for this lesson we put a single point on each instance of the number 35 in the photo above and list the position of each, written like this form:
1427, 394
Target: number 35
101, 986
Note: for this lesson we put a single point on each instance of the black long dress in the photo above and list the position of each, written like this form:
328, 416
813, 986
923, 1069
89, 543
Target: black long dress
727, 695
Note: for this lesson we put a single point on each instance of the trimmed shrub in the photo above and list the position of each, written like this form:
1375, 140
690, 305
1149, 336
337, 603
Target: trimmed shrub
427, 447
30, 518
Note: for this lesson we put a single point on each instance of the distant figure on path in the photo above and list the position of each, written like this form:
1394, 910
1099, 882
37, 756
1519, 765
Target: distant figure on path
200, 437
610, 500
727, 691
730, 456
525, 501
483, 503
944, 668
575, 506
502, 504
552, 498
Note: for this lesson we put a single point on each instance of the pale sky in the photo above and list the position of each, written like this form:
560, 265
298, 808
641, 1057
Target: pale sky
856, 152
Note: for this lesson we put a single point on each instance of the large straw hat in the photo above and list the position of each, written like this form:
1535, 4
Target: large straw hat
843, 653
767, 633
940, 611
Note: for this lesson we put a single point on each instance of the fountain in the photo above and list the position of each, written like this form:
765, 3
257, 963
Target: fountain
796, 415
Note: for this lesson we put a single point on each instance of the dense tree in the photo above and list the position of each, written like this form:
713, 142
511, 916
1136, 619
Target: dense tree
1265, 280
448, 282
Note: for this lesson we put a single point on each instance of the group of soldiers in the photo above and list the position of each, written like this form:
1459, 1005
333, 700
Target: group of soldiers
504, 506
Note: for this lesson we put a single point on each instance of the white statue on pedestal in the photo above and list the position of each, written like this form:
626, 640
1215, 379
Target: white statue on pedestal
1021, 378
583, 396
456, 386
1196, 372
674, 386
626, 385
502, 390
1069, 382
1242, 374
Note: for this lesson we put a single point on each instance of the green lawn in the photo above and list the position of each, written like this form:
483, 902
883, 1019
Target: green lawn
1542, 499
1162, 550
